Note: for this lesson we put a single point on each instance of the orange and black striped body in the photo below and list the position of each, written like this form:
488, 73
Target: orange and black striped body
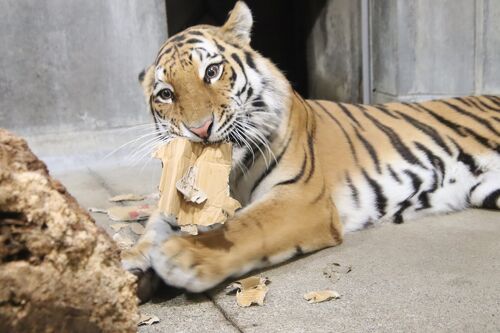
306, 171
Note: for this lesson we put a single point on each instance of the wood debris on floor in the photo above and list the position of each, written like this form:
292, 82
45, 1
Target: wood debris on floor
127, 197
147, 319
251, 290
321, 296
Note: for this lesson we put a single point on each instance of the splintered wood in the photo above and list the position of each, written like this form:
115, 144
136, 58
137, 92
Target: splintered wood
252, 290
194, 183
321, 296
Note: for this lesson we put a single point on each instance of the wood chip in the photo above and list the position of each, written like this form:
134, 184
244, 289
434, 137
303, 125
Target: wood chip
118, 226
255, 295
247, 283
321, 296
147, 319
251, 290
137, 228
126, 197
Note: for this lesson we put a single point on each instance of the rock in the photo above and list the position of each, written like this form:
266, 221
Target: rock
58, 271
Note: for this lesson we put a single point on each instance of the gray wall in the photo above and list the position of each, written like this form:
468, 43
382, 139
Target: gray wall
72, 65
420, 49
433, 48
334, 53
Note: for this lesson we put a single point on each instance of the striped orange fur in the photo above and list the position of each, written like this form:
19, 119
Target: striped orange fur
307, 171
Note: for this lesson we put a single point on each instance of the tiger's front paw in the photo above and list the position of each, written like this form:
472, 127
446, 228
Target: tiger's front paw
158, 229
181, 262
137, 260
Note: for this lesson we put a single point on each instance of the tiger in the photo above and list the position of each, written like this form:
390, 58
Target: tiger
305, 171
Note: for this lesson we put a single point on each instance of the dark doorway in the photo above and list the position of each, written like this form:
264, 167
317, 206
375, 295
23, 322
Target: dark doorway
280, 29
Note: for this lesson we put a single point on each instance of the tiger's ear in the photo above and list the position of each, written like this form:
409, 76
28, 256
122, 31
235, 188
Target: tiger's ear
240, 22
147, 80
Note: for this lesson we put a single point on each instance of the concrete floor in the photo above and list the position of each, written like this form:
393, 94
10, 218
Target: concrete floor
438, 274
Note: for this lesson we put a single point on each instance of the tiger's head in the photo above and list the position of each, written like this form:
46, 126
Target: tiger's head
208, 85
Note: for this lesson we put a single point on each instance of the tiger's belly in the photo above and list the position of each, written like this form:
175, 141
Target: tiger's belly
403, 192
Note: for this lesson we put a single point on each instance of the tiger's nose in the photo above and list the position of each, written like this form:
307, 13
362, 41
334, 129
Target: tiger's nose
204, 130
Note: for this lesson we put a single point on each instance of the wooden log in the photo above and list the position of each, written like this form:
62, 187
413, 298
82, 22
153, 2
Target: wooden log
58, 271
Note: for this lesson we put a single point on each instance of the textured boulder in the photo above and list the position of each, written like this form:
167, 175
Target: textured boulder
58, 271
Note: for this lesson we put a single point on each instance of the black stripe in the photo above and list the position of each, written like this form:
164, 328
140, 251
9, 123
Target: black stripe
370, 149
349, 114
226, 121
380, 199
349, 141
423, 198
249, 93
232, 79
219, 47
274, 163
310, 145
398, 216
490, 202
428, 130
416, 182
298, 176
448, 123
480, 120
464, 101
381, 107
178, 38
259, 104
479, 105
493, 99
393, 174
488, 107
411, 106
250, 61
462, 130
238, 60
468, 160
353, 188
436, 161
162, 53
193, 41
396, 142
473, 188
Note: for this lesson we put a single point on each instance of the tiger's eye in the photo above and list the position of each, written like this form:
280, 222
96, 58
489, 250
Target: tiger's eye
166, 94
211, 72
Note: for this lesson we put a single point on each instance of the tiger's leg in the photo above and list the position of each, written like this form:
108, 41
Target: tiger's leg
262, 234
